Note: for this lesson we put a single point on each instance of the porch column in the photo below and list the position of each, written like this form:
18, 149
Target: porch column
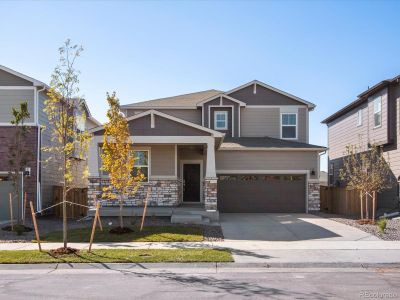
210, 181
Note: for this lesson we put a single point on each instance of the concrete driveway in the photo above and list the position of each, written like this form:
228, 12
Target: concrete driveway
288, 227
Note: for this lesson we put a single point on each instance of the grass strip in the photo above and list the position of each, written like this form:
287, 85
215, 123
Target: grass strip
118, 256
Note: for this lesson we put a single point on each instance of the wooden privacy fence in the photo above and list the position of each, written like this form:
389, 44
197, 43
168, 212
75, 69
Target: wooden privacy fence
78, 196
340, 200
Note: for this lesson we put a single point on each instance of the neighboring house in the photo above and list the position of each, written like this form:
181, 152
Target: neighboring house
245, 150
373, 118
15, 88
323, 178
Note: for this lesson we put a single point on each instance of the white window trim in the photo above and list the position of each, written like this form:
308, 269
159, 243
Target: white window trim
297, 122
219, 112
359, 118
379, 111
148, 162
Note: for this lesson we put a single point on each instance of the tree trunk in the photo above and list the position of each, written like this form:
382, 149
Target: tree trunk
362, 206
366, 207
121, 219
18, 200
64, 207
373, 205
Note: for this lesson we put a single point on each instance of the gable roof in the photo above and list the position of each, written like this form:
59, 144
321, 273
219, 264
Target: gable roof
266, 143
35, 82
221, 95
193, 100
158, 113
309, 104
363, 97
180, 101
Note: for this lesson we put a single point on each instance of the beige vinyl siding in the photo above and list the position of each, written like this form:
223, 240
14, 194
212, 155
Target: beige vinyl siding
13, 98
190, 115
50, 175
267, 160
7, 79
162, 160
344, 130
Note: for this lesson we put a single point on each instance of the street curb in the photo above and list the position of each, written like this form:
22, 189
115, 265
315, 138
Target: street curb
153, 266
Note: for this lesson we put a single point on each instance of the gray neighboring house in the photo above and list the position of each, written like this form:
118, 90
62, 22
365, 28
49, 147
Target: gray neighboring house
374, 117
244, 150
15, 88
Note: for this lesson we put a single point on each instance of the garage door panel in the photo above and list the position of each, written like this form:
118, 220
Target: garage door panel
261, 193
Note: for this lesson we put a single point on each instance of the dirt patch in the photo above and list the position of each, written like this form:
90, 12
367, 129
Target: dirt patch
63, 251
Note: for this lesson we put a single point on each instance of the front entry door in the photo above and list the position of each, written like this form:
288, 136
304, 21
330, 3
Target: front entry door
191, 182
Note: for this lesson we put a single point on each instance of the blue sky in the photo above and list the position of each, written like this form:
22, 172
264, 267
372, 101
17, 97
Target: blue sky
325, 52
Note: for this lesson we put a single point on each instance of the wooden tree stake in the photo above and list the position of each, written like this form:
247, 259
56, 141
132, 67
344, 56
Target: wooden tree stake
96, 217
361, 205
24, 210
145, 209
11, 213
35, 225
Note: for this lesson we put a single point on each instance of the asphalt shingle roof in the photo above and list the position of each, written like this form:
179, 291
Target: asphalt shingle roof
263, 142
186, 100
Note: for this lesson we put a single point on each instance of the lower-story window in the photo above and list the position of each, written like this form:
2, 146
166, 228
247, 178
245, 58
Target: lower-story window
141, 164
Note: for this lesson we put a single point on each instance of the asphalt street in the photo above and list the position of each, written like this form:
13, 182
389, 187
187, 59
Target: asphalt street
122, 282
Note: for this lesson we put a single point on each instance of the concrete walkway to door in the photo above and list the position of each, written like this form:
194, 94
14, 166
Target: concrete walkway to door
288, 227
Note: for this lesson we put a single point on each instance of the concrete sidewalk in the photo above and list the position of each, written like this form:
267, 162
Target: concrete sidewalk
264, 252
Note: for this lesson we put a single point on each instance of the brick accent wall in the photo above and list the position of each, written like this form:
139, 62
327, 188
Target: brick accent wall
313, 196
210, 193
163, 193
7, 133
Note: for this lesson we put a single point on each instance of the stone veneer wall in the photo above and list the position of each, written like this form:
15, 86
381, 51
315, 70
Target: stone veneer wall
164, 192
313, 196
210, 193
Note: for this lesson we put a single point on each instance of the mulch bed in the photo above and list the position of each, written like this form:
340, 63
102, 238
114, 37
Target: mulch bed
120, 230
63, 251
17, 228
392, 231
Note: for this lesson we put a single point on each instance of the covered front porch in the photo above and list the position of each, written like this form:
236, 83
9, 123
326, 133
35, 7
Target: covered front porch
181, 177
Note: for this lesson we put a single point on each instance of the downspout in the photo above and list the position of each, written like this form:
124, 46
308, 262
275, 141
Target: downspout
38, 163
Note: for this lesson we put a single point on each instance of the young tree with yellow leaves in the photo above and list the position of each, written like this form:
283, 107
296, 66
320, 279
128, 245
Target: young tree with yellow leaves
65, 112
118, 157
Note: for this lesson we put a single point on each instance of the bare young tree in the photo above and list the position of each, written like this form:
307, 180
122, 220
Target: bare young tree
18, 152
366, 171
64, 109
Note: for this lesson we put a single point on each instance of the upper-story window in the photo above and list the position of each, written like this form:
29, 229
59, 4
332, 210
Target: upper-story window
221, 120
359, 117
378, 111
289, 126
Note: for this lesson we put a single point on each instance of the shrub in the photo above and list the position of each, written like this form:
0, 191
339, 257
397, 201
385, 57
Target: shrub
382, 225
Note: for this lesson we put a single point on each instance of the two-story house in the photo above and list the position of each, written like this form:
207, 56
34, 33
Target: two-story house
40, 177
373, 118
244, 150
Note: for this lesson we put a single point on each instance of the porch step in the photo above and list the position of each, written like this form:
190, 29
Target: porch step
189, 219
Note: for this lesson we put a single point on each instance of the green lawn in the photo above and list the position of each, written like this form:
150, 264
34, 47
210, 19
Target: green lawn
149, 234
117, 256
